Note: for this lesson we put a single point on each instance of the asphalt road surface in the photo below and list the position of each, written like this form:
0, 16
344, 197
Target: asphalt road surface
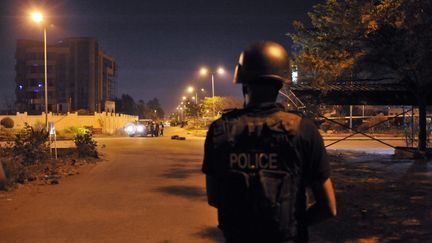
145, 190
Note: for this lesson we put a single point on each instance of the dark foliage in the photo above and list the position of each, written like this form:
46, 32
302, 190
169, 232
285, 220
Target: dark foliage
31, 144
7, 122
86, 145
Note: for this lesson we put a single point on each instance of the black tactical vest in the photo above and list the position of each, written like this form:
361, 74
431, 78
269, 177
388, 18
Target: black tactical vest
259, 171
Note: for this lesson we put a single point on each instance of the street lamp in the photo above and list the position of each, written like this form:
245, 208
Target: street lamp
38, 18
191, 90
204, 71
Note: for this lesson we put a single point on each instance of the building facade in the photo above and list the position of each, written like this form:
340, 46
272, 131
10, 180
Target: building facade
80, 76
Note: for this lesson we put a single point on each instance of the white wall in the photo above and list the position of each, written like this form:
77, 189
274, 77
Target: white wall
109, 122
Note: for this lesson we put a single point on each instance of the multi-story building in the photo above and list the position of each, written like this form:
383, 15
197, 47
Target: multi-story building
80, 76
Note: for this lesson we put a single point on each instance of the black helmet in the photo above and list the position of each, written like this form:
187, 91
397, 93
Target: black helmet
263, 62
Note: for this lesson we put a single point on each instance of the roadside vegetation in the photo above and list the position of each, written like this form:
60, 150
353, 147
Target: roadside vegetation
197, 117
28, 159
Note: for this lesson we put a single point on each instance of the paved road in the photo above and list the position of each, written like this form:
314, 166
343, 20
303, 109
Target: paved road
146, 190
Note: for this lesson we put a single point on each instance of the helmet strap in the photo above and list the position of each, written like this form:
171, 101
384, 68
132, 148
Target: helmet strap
246, 97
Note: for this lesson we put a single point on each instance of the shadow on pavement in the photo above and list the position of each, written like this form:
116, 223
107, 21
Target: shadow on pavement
379, 202
184, 191
180, 173
211, 233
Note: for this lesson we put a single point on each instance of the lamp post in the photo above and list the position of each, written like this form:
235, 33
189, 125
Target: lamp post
191, 90
38, 18
219, 71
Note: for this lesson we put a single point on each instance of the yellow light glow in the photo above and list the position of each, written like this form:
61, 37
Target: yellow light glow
193, 97
202, 90
184, 97
190, 89
221, 71
203, 71
275, 51
37, 17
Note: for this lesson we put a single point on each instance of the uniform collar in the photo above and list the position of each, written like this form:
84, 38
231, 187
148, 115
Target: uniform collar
263, 107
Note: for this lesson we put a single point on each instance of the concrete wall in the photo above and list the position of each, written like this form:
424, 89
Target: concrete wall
108, 122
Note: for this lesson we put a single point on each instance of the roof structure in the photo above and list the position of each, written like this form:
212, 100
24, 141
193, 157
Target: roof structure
358, 93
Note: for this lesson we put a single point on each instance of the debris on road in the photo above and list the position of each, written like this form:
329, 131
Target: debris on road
177, 137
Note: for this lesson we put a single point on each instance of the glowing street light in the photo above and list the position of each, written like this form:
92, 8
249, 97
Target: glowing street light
204, 71
38, 18
191, 90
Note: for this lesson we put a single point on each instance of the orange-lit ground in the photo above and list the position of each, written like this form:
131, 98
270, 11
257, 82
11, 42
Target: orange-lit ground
151, 190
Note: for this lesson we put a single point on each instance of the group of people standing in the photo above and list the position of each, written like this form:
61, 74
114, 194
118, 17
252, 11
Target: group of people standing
156, 129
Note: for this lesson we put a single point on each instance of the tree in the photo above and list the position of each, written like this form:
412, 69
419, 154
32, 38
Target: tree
191, 109
154, 109
142, 109
388, 39
126, 104
221, 103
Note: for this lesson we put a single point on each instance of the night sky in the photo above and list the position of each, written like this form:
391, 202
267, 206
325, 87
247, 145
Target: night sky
159, 45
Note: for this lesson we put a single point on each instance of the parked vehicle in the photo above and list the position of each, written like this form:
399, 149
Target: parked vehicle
142, 127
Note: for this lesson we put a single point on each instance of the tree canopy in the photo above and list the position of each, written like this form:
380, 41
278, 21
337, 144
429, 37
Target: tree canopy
221, 103
366, 40
151, 109
369, 40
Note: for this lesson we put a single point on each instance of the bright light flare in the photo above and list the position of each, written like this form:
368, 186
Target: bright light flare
190, 89
203, 71
275, 51
221, 71
140, 128
130, 129
37, 17
184, 98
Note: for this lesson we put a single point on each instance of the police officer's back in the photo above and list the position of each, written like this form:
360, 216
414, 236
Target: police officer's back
259, 160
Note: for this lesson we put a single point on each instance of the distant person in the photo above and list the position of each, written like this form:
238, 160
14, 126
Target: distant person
259, 160
161, 128
152, 129
156, 132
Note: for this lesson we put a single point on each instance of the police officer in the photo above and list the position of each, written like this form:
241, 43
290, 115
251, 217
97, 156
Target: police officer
259, 160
